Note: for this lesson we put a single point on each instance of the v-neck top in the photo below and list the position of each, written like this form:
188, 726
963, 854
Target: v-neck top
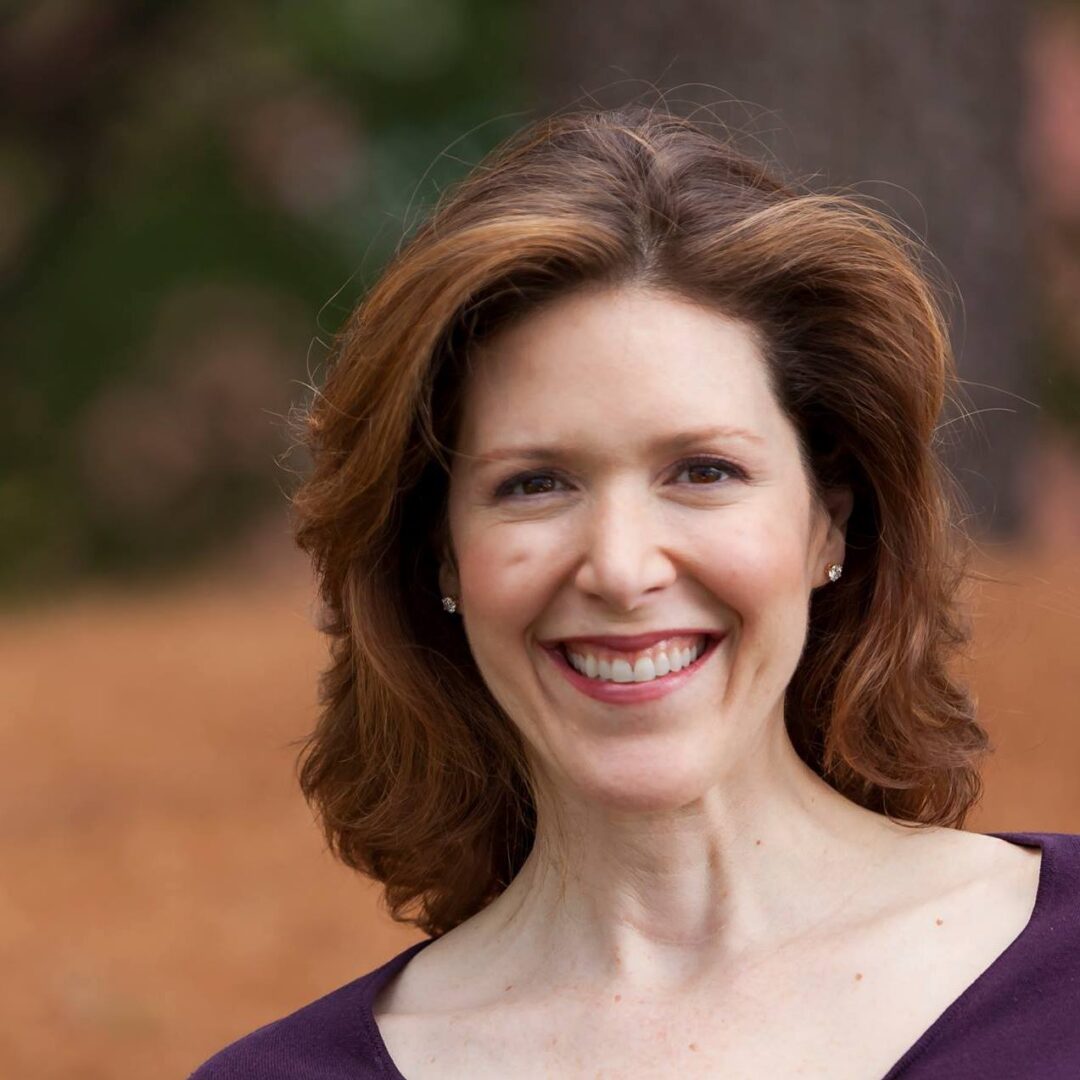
1019, 1018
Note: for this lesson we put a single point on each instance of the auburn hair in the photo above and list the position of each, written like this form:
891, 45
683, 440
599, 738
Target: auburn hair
418, 777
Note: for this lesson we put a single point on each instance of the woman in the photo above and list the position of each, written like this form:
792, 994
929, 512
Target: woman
641, 580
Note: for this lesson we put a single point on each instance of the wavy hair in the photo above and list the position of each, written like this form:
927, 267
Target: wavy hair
418, 777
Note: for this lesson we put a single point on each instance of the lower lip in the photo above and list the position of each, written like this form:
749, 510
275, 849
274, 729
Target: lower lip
630, 692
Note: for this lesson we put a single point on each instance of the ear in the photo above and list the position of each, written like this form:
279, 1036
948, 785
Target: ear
443, 549
838, 501
449, 585
448, 582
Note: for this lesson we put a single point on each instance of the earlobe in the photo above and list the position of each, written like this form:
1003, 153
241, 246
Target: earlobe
838, 503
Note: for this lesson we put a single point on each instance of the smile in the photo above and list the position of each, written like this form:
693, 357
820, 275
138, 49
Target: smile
668, 655
623, 678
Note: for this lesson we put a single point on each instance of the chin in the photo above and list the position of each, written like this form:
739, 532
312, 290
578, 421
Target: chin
641, 782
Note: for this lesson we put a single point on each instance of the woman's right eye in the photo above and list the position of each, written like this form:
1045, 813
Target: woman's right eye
532, 484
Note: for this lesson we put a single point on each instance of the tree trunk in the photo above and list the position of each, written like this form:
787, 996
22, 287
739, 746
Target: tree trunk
918, 104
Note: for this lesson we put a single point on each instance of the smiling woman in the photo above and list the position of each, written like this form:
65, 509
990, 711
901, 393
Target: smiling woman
640, 571
709, 546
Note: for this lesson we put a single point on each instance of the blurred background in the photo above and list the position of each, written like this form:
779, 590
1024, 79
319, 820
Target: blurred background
192, 197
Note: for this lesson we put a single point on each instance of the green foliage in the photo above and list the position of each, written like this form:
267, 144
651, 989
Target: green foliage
189, 212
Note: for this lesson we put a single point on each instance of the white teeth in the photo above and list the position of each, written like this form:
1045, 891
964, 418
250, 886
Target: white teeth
644, 670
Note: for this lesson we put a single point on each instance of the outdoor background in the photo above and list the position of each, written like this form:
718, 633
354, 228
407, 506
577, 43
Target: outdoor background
192, 197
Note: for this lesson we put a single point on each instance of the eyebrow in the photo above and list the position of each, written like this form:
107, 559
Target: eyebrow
667, 443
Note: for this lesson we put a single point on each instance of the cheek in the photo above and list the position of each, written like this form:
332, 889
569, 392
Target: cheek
504, 591
758, 556
508, 575
509, 569
500, 577
756, 568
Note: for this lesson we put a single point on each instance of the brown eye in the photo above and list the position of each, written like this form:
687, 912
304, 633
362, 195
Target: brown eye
704, 474
536, 485
707, 472
527, 485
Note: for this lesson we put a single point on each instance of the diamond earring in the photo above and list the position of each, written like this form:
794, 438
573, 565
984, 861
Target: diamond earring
449, 604
834, 570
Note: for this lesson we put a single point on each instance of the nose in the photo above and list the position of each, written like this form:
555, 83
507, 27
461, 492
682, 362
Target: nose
624, 552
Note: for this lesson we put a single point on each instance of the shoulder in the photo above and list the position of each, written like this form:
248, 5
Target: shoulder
1055, 916
330, 1038
1059, 870
1018, 1018
1057, 908
1037, 976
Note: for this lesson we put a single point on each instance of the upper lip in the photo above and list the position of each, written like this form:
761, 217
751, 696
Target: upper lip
631, 641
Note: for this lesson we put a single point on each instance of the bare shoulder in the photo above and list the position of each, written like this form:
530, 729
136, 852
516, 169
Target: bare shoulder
1010, 874
981, 892
431, 1014
960, 871
441, 975
980, 862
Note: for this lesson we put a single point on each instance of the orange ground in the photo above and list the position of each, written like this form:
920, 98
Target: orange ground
165, 889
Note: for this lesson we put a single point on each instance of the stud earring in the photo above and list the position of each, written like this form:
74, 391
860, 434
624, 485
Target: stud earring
834, 570
449, 604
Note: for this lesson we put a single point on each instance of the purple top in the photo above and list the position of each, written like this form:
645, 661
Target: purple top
1020, 1017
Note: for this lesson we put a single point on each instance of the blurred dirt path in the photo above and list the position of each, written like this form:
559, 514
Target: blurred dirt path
165, 889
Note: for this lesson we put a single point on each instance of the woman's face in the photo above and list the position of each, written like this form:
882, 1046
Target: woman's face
623, 469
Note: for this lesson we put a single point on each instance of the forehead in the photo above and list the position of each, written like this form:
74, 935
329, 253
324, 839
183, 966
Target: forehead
618, 367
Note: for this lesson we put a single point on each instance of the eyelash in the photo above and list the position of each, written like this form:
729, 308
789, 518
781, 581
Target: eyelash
505, 489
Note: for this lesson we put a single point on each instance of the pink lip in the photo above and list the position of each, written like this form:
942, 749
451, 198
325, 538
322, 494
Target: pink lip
629, 693
630, 641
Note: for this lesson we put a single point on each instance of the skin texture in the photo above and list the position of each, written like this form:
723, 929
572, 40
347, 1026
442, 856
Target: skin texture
683, 851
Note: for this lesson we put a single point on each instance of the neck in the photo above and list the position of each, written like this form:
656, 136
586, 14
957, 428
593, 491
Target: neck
653, 897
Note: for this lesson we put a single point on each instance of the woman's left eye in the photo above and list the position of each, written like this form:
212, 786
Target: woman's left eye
707, 468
